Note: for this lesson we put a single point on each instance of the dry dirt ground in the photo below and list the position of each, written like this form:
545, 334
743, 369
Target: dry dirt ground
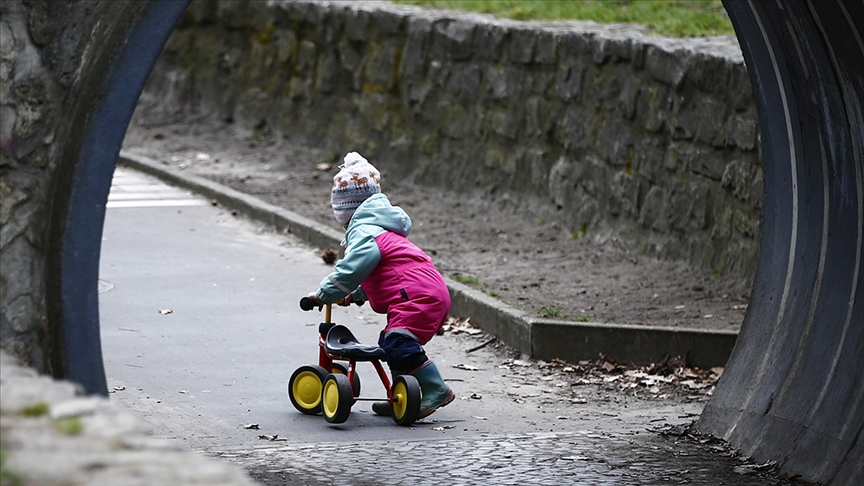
484, 241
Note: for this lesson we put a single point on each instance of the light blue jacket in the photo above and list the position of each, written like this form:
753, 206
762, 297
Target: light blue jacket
374, 216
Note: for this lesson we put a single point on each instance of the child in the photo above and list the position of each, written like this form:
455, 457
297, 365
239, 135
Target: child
394, 275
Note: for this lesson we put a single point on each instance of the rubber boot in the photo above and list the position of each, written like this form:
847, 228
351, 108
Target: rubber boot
384, 408
436, 393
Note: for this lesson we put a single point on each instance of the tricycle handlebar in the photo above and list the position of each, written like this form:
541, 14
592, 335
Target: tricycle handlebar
308, 304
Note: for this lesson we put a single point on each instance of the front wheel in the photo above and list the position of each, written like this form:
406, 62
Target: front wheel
304, 388
340, 368
337, 398
406, 399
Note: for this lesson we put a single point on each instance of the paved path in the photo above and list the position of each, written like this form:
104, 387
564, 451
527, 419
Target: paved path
201, 330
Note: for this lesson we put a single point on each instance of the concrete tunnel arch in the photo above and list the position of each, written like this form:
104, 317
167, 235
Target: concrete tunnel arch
792, 391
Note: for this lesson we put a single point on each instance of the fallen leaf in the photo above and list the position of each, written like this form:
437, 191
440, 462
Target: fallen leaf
165, 312
329, 256
476, 396
689, 373
443, 427
465, 367
251, 426
691, 384
119, 388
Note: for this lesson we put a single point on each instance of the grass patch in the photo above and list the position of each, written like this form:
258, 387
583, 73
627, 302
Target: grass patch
675, 18
720, 271
70, 426
6, 477
492, 293
472, 281
333, 158
579, 232
552, 313
35, 410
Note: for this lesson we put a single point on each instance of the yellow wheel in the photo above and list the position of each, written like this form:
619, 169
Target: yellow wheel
337, 398
340, 368
406, 399
304, 388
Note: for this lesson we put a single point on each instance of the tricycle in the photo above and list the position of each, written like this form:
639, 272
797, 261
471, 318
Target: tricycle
331, 388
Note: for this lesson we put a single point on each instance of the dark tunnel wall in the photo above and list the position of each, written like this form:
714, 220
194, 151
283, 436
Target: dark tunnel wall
792, 390
128, 48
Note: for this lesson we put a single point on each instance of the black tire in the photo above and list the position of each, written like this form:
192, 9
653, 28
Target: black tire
305, 388
406, 400
340, 368
337, 398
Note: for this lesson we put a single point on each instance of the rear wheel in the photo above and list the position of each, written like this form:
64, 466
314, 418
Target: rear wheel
304, 388
406, 399
337, 398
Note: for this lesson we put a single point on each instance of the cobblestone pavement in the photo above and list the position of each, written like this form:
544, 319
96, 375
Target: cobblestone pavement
583, 457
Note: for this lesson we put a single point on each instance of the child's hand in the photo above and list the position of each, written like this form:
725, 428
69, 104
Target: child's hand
345, 302
314, 298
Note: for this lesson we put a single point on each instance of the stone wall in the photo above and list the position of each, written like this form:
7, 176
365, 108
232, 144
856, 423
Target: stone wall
53, 57
37, 71
613, 133
89, 440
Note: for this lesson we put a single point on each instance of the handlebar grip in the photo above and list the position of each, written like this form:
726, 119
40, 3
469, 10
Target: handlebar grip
307, 304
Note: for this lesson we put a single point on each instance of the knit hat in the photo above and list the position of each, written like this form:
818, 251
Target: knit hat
356, 181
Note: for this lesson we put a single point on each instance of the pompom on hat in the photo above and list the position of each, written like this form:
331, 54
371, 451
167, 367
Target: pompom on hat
356, 181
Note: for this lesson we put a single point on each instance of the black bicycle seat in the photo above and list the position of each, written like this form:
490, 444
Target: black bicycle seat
340, 341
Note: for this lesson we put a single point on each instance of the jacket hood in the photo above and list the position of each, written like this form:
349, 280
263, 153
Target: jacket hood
377, 210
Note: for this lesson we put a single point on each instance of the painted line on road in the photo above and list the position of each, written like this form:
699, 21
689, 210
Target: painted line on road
156, 203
